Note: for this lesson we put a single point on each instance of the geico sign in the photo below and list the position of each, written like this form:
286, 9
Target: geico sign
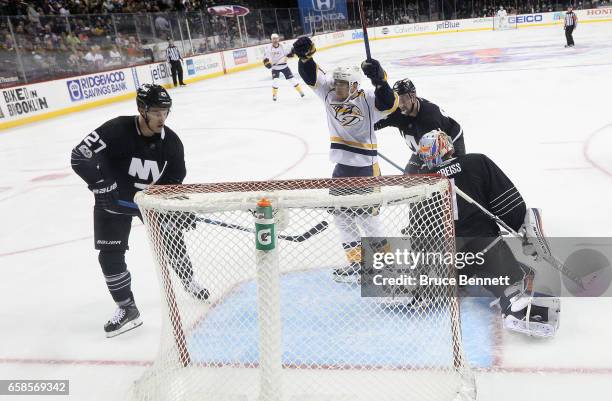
522, 19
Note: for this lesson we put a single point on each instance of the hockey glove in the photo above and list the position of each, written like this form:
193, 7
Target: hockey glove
106, 194
373, 70
267, 63
304, 48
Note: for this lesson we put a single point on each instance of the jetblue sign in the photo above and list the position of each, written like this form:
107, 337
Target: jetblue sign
315, 13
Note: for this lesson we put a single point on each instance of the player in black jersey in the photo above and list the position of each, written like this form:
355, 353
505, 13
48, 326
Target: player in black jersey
117, 159
417, 116
482, 180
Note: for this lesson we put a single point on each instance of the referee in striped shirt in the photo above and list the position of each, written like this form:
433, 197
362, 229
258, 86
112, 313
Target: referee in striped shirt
173, 56
571, 21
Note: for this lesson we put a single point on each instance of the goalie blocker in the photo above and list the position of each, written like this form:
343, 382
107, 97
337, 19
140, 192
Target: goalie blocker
482, 180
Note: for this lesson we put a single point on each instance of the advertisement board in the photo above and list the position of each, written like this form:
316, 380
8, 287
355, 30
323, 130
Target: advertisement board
27, 103
315, 13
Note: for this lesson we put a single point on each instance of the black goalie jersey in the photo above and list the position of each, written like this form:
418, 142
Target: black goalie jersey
480, 178
118, 150
429, 117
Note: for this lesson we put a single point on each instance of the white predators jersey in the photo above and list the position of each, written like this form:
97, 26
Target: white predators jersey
277, 56
350, 124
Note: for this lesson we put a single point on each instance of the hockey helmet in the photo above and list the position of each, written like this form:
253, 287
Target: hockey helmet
151, 95
274, 36
350, 74
433, 147
404, 86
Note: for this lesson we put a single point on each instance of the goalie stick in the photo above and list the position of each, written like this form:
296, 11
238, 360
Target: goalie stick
550, 259
318, 228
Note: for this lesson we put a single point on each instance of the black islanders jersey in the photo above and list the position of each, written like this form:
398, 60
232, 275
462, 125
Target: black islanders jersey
118, 150
429, 117
480, 178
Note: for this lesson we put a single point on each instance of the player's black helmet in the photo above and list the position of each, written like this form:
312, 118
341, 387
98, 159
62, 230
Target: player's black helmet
404, 86
151, 95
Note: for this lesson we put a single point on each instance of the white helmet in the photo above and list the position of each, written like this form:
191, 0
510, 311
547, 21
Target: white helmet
350, 74
274, 36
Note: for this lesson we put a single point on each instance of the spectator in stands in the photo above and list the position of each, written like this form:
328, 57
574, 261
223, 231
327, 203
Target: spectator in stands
94, 58
134, 53
74, 60
120, 41
108, 6
202, 48
72, 41
34, 15
162, 27
114, 56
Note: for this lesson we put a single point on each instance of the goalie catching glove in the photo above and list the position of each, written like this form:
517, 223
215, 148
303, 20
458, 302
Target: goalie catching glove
304, 48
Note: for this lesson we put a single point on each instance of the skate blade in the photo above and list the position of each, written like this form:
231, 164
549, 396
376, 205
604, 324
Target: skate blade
534, 329
126, 327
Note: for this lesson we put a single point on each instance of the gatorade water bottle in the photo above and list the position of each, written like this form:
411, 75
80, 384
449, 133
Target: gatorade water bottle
265, 236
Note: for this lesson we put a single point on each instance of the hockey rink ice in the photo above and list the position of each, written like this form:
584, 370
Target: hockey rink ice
540, 111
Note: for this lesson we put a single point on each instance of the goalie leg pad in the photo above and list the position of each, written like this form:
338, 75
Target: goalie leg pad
536, 316
534, 242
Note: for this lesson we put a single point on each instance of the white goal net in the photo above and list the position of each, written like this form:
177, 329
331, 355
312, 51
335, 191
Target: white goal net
277, 326
506, 22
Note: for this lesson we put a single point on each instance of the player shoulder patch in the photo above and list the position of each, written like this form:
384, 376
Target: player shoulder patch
85, 151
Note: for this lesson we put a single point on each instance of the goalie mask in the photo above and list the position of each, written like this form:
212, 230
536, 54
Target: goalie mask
350, 75
434, 147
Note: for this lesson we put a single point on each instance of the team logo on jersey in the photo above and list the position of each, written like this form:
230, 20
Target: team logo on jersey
146, 170
347, 114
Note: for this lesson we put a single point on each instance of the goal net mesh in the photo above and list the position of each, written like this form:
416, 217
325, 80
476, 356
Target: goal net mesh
506, 22
284, 328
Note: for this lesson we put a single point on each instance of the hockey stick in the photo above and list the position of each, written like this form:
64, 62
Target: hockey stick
318, 228
364, 27
391, 162
550, 259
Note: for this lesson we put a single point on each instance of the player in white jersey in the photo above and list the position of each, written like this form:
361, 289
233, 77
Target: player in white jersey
351, 113
275, 58
501, 16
